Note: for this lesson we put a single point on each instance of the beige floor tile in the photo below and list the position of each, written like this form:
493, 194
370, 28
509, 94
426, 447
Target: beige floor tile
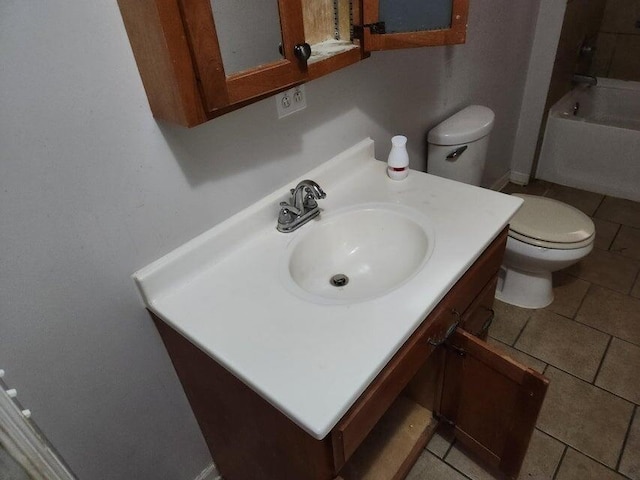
564, 343
611, 312
440, 442
605, 233
635, 291
518, 356
619, 371
587, 202
619, 210
585, 417
627, 242
430, 467
568, 293
508, 322
540, 462
576, 466
607, 269
630, 463
535, 187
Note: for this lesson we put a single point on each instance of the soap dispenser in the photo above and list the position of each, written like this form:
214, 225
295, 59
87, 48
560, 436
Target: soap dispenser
398, 161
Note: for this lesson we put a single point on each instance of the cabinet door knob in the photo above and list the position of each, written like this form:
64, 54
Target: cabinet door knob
302, 52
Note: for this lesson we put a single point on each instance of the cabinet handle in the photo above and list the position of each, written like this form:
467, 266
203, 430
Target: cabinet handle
302, 51
450, 330
487, 323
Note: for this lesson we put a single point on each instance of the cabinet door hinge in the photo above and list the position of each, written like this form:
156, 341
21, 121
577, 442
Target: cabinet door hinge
377, 28
460, 351
443, 419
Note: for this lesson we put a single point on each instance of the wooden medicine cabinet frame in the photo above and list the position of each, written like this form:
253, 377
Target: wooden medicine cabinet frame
177, 51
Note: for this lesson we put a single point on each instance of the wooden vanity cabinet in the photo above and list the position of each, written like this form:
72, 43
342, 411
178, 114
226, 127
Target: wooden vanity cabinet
490, 401
177, 50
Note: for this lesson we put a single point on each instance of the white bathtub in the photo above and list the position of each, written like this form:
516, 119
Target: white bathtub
599, 148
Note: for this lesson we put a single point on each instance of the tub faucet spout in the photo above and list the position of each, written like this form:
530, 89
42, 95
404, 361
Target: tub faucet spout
586, 79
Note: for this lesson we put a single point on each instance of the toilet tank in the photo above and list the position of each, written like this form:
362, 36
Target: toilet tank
458, 145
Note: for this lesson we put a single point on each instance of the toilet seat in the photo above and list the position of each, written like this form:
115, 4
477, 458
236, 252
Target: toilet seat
548, 223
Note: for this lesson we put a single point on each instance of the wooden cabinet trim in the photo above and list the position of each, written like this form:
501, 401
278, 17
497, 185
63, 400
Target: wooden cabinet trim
163, 57
455, 34
201, 33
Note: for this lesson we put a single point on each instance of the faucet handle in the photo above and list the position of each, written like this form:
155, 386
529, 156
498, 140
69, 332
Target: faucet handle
288, 213
309, 200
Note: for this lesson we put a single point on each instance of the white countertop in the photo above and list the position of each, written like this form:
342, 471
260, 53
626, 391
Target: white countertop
223, 290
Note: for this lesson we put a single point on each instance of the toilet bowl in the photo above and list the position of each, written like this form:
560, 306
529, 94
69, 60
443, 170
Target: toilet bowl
544, 236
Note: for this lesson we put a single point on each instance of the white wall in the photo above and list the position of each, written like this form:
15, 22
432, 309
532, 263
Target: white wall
92, 188
543, 55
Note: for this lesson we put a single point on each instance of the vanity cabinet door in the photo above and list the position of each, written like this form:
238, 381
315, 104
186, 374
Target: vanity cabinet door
389, 25
491, 401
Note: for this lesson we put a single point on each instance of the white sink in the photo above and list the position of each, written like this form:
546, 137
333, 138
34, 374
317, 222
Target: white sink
358, 253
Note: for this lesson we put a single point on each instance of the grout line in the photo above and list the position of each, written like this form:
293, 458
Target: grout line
609, 333
613, 239
584, 297
564, 452
520, 332
634, 283
573, 447
467, 454
592, 385
591, 286
599, 205
446, 454
626, 437
606, 351
583, 324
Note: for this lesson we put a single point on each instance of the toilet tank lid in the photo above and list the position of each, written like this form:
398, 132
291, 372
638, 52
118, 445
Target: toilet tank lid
468, 125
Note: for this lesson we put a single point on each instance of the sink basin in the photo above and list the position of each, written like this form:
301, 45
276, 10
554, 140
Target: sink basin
359, 253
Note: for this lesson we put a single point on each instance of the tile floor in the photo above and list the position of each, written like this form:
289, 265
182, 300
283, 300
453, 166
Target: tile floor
587, 342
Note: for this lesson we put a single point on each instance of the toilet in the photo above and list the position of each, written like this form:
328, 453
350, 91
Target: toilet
545, 235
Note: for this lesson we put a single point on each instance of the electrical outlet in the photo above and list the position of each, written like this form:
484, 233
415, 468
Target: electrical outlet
291, 101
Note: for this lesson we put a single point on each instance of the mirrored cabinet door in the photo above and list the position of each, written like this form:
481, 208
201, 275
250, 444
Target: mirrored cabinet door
249, 33
253, 48
394, 24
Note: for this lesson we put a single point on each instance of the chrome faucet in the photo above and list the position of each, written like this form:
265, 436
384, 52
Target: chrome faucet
588, 79
302, 206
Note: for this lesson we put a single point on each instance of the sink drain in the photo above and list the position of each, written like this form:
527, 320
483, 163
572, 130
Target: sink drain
339, 280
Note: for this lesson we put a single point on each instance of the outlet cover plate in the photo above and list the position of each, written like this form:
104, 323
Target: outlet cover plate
291, 101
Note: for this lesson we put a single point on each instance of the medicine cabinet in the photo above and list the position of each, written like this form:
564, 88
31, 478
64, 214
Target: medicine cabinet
199, 59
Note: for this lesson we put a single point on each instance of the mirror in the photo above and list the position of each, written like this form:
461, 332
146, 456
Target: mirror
248, 33
415, 15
